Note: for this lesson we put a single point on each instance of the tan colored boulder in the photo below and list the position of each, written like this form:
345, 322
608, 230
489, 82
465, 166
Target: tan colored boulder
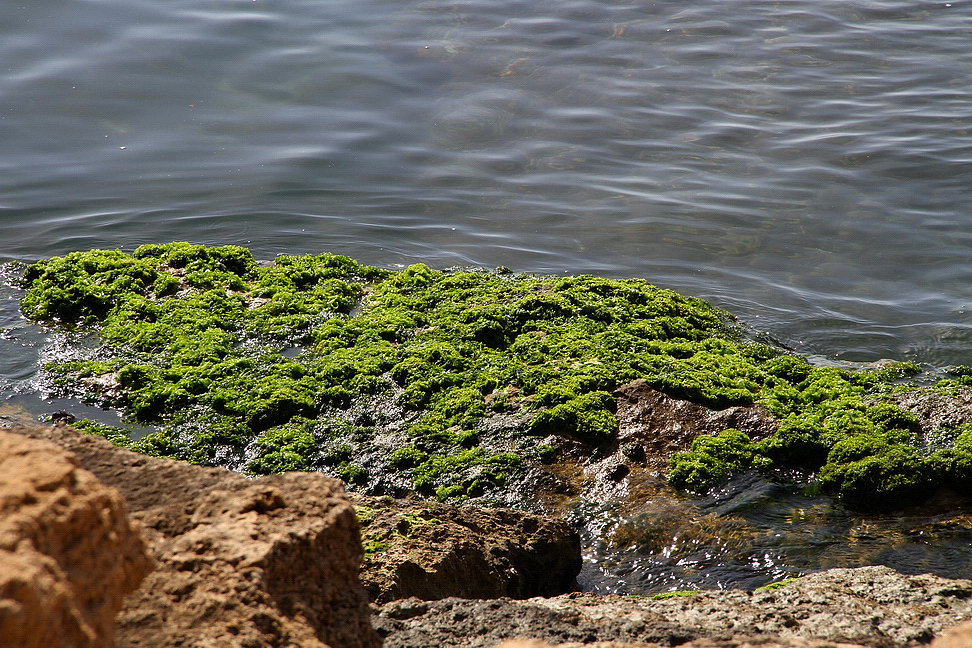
68, 552
254, 563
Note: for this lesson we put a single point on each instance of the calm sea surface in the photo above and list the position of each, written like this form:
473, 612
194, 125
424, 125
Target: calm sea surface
806, 164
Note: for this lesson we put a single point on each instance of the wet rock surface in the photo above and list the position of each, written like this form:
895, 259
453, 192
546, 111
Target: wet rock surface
68, 552
872, 606
653, 426
935, 410
240, 562
434, 551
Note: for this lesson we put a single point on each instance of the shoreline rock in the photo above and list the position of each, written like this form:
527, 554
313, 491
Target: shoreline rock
68, 552
871, 606
274, 562
434, 551
240, 562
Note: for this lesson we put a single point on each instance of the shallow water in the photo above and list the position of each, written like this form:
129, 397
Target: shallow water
804, 164
751, 532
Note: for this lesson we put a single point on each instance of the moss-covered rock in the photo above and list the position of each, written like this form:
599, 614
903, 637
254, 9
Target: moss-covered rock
393, 380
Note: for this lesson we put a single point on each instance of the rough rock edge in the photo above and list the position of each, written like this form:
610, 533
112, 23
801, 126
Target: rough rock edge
870, 606
254, 563
68, 551
433, 551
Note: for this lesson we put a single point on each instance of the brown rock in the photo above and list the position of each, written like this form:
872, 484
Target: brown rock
653, 426
433, 551
254, 563
68, 553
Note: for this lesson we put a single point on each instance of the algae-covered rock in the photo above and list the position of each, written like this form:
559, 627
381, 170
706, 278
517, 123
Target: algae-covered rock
458, 384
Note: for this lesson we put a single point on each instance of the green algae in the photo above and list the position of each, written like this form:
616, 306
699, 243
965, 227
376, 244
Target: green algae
304, 363
662, 596
776, 585
833, 422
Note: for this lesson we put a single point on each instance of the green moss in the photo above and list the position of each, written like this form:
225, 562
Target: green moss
196, 341
117, 436
284, 449
676, 594
589, 416
776, 585
83, 287
415, 518
873, 472
372, 547
711, 460
834, 421
365, 514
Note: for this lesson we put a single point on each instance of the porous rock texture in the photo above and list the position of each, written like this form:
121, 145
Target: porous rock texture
249, 563
68, 552
870, 606
433, 551
735, 642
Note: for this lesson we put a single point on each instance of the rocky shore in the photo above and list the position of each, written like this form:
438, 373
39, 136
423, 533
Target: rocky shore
182, 555
490, 428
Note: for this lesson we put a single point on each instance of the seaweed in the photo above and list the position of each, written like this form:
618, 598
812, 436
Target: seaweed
314, 362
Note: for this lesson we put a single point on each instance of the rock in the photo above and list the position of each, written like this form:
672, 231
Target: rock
959, 636
433, 551
655, 426
68, 552
652, 427
254, 563
936, 410
742, 641
871, 606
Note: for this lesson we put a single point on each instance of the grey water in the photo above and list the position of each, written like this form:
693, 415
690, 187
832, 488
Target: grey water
805, 164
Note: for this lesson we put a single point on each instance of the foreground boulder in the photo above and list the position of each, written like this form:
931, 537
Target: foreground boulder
255, 563
434, 551
68, 553
872, 606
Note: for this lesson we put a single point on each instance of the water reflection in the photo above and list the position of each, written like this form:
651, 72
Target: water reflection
753, 532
